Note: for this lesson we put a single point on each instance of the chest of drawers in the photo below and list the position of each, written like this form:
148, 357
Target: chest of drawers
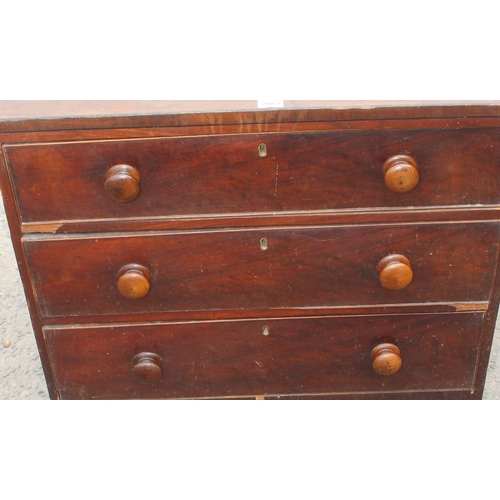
211, 249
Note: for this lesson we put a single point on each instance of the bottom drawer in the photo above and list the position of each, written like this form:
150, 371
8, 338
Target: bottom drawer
265, 357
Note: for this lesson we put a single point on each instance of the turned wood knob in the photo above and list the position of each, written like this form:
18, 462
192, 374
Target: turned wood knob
401, 174
386, 359
123, 183
395, 272
147, 367
134, 281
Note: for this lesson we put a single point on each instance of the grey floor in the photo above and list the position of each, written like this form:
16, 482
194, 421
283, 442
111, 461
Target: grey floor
21, 375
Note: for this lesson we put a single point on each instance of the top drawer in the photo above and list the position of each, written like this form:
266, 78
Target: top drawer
233, 174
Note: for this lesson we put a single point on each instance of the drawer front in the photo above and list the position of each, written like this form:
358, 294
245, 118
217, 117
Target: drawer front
193, 176
260, 269
234, 358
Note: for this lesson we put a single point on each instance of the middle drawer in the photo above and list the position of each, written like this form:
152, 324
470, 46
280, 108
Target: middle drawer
145, 273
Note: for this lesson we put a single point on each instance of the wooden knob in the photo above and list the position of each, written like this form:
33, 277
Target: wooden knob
147, 367
401, 174
134, 281
395, 272
123, 183
386, 359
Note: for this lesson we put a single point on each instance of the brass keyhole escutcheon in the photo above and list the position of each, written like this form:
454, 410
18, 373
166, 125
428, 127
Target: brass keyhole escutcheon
265, 330
263, 244
262, 150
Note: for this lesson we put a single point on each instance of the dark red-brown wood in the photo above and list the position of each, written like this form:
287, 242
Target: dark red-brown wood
316, 181
298, 356
225, 175
147, 367
15, 232
329, 218
419, 395
227, 270
57, 115
428, 307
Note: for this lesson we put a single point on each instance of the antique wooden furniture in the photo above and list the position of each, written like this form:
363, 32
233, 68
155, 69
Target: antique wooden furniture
209, 249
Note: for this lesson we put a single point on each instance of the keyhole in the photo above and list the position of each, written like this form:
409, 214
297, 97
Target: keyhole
262, 150
263, 244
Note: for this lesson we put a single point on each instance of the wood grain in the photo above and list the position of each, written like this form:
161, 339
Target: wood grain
15, 232
296, 318
227, 270
221, 175
223, 359
453, 215
57, 115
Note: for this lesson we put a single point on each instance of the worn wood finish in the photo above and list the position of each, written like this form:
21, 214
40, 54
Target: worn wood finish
419, 395
60, 135
127, 317
15, 232
258, 241
315, 171
227, 270
298, 356
489, 325
348, 217
67, 115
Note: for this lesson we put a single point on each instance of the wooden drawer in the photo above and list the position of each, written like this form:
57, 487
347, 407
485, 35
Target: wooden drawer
214, 175
234, 358
259, 269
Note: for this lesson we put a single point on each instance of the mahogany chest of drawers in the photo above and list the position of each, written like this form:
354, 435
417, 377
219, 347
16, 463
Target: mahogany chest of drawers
214, 249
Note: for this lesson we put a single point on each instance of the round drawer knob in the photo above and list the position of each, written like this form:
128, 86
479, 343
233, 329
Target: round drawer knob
401, 174
134, 281
386, 359
395, 272
123, 183
147, 367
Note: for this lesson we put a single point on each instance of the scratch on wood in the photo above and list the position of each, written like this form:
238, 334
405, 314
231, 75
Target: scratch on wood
41, 228
471, 306
259, 398
276, 183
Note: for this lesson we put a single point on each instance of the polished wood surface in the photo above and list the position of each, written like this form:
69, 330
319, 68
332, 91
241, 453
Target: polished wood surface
386, 359
123, 183
134, 281
299, 356
147, 367
227, 270
395, 272
67, 115
301, 172
401, 174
